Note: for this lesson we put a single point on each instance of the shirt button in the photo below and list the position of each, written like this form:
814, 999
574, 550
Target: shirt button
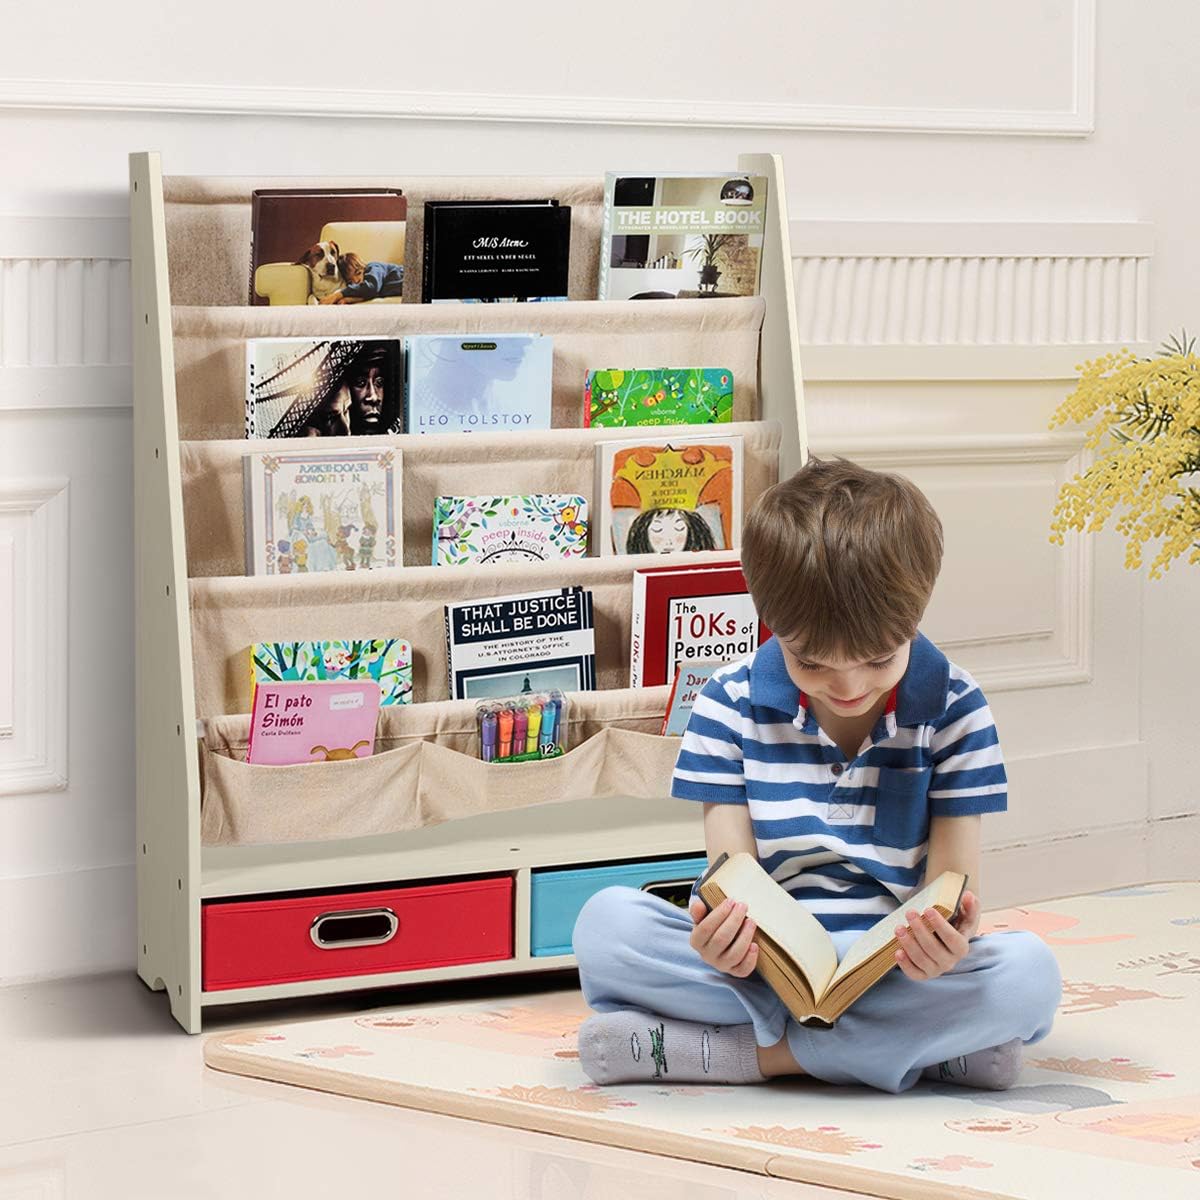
837, 768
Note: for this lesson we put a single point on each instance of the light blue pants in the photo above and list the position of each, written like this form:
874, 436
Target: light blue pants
634, 953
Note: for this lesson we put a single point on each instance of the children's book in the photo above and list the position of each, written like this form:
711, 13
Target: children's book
387, 661
663, 497
500, 529
796, 955
312, 511
670, 237
486, 382
514, 645
688, 682
665, 396
323, 387
312, 722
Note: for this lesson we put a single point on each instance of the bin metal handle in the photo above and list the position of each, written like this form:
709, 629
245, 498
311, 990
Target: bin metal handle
353, 927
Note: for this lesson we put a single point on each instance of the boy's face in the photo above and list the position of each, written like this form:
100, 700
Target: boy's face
847, 687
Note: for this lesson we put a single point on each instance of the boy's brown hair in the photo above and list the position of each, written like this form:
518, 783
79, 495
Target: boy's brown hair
840, 560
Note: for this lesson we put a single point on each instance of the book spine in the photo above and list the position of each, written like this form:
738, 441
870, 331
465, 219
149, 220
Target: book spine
427, 257
610, 183
637, 631
447, 616
248, 510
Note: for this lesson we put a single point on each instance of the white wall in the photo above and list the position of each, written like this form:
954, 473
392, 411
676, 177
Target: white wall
933, 346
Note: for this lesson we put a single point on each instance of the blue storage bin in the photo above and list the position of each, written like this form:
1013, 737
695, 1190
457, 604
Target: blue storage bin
556, 896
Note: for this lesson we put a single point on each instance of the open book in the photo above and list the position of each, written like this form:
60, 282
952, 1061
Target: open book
796, 956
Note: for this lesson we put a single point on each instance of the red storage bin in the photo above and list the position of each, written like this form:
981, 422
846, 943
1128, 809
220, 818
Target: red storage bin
285, 939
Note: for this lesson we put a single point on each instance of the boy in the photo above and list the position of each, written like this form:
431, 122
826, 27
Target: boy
854, 760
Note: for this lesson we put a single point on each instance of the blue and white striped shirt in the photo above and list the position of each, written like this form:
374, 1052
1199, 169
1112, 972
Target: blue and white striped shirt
848, 838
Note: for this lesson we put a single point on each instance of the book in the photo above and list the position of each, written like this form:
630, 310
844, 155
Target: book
500, 529
323, 387
336, 234
514, 645
484, 381
312, 511
386, 661
669, 237
663, 396
796, 956
312, 722
660, 497
495, 251
682, 616
684, 690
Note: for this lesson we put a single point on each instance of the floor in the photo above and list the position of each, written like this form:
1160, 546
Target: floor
102, 1095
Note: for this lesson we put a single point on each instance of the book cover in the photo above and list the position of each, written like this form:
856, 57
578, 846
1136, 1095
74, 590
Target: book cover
323, 387
664, 497
682, 616
312, 722
501, 252
310, 511
484, 382
500, 529
684, 690
385, 661
349, 240
665, 396
669, 237
513, 645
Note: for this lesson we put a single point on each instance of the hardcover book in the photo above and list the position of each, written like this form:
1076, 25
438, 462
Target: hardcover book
495, 251
686, 687
500, 529
322, 387
671, 237
514, 645
484, 382
796, 955
385, 661
686, 615
664, 497
310, 511
312, 722
666, 396
347, 242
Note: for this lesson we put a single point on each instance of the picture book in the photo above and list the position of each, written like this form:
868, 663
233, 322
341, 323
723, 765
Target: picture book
386, 661
495, 251
323, 387
682, 616
484, 382
312, 511
670, 237
501, 529
327, 245
684, 690
514, 645
665, 396
664, 497
312, 722
796, 956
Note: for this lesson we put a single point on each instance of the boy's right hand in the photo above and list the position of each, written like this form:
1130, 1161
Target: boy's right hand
722, 937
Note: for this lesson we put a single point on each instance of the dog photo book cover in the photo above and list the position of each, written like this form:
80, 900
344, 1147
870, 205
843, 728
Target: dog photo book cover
323, 387
327, 246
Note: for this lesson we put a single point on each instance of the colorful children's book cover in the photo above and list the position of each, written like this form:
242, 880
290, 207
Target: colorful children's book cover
664, 497
312, 722
670, 237
322, 387
665, 396
481, 383
310, 511
686, 687
386, 661
500, 529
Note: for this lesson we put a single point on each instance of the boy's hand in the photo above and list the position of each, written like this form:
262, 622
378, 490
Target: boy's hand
931, 945
722, 937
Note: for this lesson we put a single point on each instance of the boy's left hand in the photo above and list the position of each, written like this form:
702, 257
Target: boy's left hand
930, 945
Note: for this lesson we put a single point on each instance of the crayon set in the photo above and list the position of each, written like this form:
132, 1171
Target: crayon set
526, 728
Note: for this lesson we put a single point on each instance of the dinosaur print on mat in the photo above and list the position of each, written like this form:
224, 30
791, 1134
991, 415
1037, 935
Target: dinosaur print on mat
1173, 963
1102, 1068
1047, 925
1081, 996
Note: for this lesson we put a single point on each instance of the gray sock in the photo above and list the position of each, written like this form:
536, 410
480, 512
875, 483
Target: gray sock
636, 1047
996, 1068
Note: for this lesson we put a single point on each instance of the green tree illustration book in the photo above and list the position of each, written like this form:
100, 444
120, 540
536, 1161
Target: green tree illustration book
662, 396
388, 661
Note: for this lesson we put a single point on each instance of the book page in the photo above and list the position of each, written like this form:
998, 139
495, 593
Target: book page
945, 889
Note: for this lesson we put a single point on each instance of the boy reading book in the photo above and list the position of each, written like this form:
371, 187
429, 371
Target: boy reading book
851, 761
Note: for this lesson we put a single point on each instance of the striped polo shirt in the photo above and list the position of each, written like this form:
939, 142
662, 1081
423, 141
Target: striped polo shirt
847, 837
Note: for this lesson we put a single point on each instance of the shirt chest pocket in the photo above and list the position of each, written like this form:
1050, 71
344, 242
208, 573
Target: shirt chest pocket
902, 806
